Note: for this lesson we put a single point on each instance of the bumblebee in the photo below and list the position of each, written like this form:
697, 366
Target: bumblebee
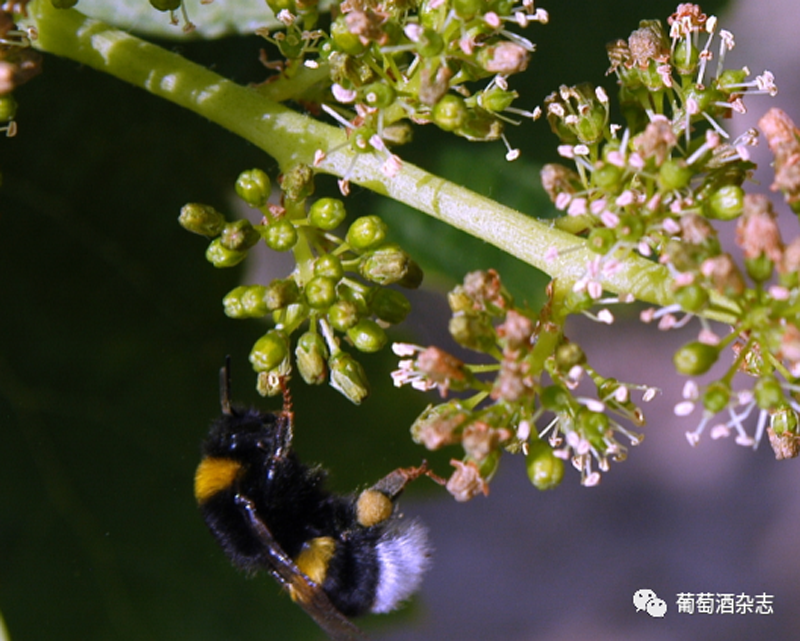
337, 556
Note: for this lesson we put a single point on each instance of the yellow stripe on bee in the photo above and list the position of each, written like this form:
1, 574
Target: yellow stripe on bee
214, 475
313, 560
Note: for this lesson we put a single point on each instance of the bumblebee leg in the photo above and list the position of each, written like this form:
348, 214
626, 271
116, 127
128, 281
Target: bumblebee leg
376, 504
304, 591
395, 482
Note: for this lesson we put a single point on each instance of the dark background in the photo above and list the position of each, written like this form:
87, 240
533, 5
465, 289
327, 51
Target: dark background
112, 333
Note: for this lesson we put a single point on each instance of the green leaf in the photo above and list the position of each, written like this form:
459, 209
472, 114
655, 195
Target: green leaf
215, 20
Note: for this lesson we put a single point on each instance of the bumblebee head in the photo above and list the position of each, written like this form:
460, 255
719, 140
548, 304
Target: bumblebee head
241, 433
239, 439
247, 433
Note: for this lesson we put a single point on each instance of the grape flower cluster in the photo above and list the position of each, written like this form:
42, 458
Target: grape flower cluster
662, 185
655, 187
394, 62
532, 398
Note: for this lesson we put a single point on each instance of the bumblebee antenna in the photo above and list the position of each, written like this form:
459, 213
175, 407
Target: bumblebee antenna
225, 386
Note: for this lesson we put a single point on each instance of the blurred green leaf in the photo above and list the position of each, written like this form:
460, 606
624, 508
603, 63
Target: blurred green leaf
213, 20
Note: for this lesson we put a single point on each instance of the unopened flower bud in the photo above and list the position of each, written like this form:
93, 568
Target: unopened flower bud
292, 315
343, 315
608, 177
330, 266
473, 330
163, 5
545, 469
692, 298
298, 183
220, 256
201, 219
716, 396
759, 268
253, 301
496, 99
450, 112
695, 358
348, 377
281, 293
413, 276
366, 233
768, 393
272, 382
674, 174
555, 398
388, 265
311, 355
269, 351
367, 336
726, 203
232, 303
239, 235
568, 355
320, 292
280, 235
359, 296
253, 187
390, 306
327, 213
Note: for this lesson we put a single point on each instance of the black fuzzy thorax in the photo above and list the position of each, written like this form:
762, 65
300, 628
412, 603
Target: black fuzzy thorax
291, 500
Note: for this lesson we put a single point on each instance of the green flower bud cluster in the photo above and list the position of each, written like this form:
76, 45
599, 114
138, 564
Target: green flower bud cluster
533, 379
339, 290
396, 60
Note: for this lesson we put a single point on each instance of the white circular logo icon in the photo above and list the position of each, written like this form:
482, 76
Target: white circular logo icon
648, 601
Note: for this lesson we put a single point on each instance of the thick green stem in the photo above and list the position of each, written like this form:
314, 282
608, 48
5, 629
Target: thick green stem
293, 138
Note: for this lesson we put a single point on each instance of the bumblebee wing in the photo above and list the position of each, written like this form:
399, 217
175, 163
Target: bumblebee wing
303, 590
316, 603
